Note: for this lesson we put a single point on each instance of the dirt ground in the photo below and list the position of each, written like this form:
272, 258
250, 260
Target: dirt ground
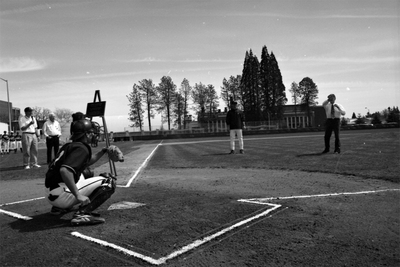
182, 206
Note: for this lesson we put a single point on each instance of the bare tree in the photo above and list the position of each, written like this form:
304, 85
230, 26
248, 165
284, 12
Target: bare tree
166, 91
185, 92
294, 90
212, 98
149, 96
135, 104
230, 90
199, 96
41, 113
63, 116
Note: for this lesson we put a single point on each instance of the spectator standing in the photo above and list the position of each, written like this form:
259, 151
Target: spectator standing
333, 112
18, 141
6, 142
13, 144
52, 132
1, 144
235, 122
28, 126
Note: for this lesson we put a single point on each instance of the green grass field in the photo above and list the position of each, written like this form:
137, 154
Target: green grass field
369, 154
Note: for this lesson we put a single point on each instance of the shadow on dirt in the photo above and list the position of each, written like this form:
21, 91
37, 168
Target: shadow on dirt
310, 155
41, 222
217, 154
15, 168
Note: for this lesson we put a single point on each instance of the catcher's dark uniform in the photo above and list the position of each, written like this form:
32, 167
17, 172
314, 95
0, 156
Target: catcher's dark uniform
75, 157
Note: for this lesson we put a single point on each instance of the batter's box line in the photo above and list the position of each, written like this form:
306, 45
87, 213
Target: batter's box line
184, 249
263, 200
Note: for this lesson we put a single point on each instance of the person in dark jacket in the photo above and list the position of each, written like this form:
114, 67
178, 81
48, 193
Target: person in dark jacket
235, 122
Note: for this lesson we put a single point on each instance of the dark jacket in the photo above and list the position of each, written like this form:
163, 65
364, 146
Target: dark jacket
235, 119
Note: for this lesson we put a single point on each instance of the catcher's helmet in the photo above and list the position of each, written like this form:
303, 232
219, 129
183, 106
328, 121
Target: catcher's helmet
79, 128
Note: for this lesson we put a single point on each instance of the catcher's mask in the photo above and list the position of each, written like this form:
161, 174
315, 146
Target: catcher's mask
80, 128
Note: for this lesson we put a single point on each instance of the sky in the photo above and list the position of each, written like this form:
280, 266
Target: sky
56, 54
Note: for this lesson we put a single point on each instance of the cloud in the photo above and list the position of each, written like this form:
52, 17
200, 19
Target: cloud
327, 60
37, 8
21, 64
153, 60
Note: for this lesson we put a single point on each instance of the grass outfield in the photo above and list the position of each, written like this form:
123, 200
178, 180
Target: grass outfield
365, 153
369, 154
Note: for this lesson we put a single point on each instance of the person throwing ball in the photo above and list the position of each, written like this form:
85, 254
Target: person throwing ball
66, 184
333, 112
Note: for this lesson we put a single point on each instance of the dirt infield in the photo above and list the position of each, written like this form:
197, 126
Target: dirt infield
192, 204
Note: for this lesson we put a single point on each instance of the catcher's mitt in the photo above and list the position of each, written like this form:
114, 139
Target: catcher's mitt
115, 154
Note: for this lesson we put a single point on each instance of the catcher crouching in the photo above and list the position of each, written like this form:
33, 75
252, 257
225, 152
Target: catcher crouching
66, 184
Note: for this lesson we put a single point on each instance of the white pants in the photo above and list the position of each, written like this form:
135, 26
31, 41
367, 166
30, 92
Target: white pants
66, 199
6, 146
13, 145
239, 134
18, 144
29, 148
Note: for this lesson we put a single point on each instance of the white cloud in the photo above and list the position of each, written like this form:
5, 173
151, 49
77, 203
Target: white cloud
152, 59
21, 64
327, 60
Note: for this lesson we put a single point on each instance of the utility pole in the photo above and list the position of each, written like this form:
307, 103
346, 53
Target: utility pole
9, 107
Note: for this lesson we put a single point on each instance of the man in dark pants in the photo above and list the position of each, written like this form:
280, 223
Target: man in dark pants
333, 112
52, 131
235, 122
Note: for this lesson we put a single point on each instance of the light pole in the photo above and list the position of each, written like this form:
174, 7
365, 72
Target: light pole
9, 107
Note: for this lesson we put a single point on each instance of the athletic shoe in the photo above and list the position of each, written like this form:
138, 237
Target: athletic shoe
58, 211
232, 152
36, 165
241, 151
85, 219
27, 167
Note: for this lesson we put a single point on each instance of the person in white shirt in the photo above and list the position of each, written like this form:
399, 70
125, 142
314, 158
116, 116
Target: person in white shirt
333, 113
28, 126
52, 132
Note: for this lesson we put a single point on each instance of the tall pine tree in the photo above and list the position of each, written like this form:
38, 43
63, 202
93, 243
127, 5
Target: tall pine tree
250, 88
278, 89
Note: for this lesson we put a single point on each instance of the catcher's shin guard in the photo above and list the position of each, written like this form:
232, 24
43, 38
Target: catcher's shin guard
100, 195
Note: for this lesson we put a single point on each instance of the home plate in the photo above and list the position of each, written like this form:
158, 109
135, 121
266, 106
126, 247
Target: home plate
125, 205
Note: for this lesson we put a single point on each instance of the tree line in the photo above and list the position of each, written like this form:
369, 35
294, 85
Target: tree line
169, 101
259, 91
388, 115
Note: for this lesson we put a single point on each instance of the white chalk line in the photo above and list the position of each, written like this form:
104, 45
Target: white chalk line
21, 201
184, 249
257, 200
140, 167
247, 139
19, 216
15, 215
